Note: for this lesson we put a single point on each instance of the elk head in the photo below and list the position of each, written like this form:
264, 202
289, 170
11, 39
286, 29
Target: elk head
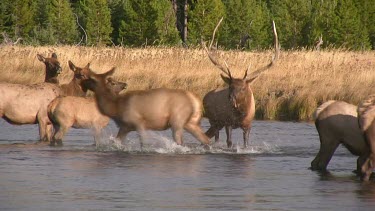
239, 88
80, 74
115, 86
101, 82
53, 68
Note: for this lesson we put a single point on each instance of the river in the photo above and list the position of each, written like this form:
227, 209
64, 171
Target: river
272, 174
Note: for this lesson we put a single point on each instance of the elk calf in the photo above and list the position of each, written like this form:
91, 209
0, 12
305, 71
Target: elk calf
155, 109
79, 112
337, 123
234, 106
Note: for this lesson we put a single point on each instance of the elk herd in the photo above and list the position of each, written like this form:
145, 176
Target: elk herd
56, 108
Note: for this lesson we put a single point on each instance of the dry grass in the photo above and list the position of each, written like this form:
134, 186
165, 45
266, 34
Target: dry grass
290, 91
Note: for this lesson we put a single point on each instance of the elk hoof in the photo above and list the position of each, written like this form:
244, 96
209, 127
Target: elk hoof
229, 144
59, 143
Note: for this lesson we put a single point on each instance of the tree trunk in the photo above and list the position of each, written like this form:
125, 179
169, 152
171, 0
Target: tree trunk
185, 34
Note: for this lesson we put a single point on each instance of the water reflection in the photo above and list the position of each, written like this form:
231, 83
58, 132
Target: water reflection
273, 175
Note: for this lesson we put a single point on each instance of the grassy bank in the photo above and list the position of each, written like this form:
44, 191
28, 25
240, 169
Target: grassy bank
300, 82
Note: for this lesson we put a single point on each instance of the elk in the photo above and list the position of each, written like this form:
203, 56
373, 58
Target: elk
79, 112
27, 104
366, 116
76, 86
233, 106
53, 68
155, 109
337, 123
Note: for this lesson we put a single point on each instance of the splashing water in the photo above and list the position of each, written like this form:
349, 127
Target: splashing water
155, 142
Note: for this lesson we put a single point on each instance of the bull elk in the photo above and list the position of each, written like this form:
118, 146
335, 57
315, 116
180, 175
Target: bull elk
337, 123
233, 106
366, 116
79, 112
27, 104
155, 109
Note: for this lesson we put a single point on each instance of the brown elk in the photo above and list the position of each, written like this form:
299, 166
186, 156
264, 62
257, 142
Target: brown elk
53, 68
76, 86
79, 112
155, 109
366, 116
27, 104
337, 123
233, 106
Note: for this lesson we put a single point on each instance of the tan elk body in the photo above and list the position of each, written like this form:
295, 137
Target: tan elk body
27, 104
155, 109
366, 116
79, 112
234, 106
337, 123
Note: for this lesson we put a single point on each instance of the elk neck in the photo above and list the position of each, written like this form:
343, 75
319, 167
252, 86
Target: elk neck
107, 101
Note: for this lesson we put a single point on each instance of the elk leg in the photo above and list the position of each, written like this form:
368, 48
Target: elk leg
121, 135
228, 131
59, 134
211, 132
42, 124
369, 164
246, 137
360, 161
177, 135
197, 132
97, 136
217, 136
324, 155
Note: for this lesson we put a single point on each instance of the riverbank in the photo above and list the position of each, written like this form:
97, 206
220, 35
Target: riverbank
300, 82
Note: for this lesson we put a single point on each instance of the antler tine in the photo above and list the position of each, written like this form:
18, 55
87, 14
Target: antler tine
246, 71
226, 70
213, 33
274, 58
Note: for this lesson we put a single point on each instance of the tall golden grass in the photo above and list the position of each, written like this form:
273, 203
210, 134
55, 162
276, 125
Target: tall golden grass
300, 82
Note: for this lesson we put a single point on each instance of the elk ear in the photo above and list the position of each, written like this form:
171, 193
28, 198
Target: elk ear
88, 65
251, 80
41, 58
110, 72
54, 55
72, 66
227, 80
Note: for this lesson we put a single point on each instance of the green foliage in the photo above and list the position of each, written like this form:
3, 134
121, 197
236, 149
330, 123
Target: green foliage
148, 22
291, 18
247, 24
349, 32
203, 17
23, 18
96, 21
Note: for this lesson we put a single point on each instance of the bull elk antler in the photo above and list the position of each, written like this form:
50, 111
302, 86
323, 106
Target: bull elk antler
252, 75
225, 69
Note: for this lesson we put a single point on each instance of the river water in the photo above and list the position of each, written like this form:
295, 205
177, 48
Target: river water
272, 174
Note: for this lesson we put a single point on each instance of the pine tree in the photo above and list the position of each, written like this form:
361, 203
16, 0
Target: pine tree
366, 10
148, 22
203, 17
349, 32
137, 27
165, 22
246, 20
292, 18
96, 19
23, 18
5, 17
